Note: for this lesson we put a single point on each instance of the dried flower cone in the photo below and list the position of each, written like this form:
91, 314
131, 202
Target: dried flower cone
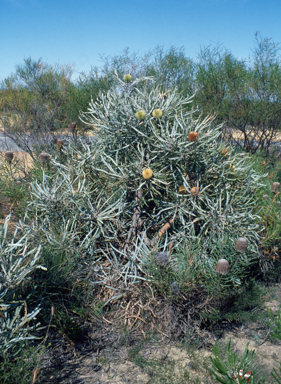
9, 155
182, 190
192, 136
175, 288
195, 191
161, 258
59, 144
147, 174
275, 188
222, 266
43, 157
241, 244
73, 126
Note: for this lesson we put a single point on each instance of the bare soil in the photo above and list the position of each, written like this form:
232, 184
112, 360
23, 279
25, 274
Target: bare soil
102, 358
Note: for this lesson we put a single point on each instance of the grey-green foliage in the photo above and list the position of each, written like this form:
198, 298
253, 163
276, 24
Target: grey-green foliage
16, 262
99, 205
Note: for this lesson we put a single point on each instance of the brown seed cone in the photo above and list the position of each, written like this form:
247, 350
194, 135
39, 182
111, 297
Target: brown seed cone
73, 126
182, 190
9, 155
59, 144
161, 258
192, 136
175, 288
43, 157
222, 266
275, 188
241, 244
195, 191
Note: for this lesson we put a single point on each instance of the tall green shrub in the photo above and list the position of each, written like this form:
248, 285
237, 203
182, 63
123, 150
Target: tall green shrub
156, 178
17, 261
33, 104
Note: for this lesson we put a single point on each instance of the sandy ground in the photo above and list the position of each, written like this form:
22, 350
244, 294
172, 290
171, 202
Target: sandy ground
112, 364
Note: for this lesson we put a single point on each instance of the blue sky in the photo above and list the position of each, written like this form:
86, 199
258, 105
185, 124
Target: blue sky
79, 32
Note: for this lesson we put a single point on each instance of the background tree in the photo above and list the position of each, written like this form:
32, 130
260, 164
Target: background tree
34, 103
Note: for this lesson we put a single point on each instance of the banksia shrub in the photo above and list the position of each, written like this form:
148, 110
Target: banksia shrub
102, 206
17, 262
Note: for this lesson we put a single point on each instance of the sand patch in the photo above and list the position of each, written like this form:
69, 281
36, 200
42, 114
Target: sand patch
25, 162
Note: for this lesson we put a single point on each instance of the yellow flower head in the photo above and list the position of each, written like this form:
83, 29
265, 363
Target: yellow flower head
232, 168
157, 113
147, 173
140, 115
127, 78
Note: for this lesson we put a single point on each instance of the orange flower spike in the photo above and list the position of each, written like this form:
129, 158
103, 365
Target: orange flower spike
224, 151
165, 228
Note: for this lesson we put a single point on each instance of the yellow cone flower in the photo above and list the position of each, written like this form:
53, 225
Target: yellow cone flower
140, 115
147, 174
127, 78
157, 113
